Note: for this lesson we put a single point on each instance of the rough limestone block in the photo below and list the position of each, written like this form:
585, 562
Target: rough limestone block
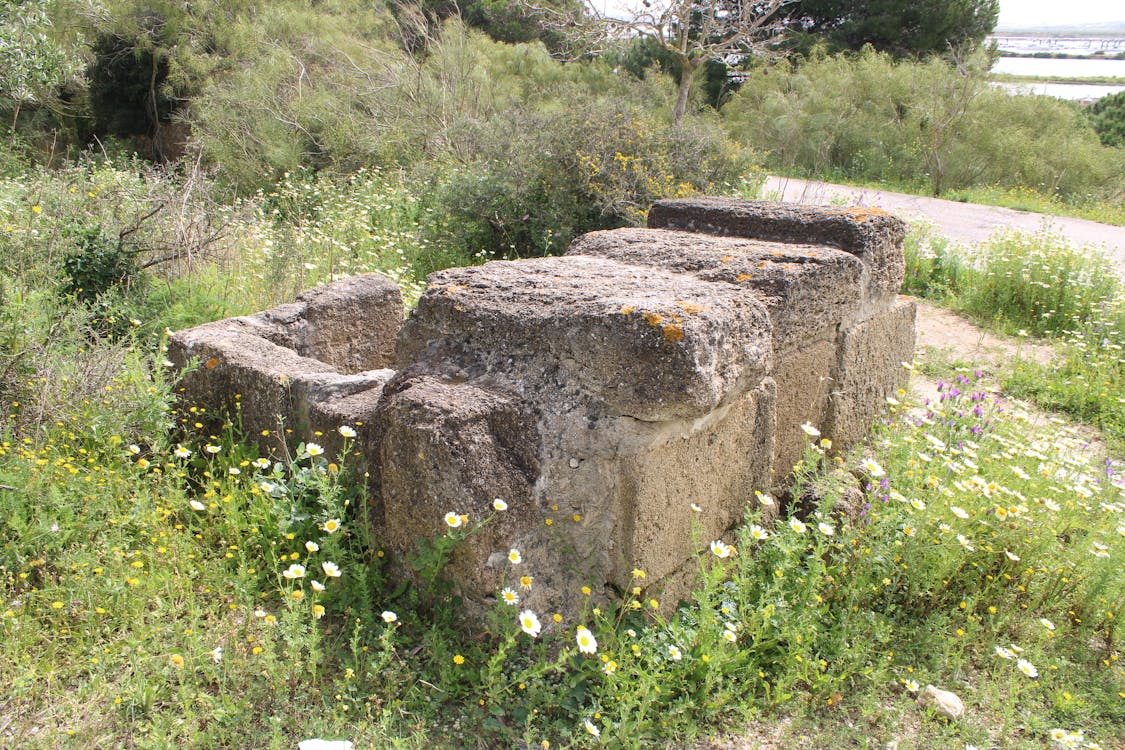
803, 287
239, 371
350, 324
307, 366
642, 342
453, 448
805, 380
870, 234
717, 467
870, 368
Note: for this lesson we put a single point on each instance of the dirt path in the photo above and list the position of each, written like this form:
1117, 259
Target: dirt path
961, 222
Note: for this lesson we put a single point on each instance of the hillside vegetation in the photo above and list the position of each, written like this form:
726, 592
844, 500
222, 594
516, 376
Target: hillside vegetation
166, 164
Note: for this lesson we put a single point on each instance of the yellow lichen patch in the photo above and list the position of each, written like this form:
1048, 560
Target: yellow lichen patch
727, 258
673, 332
690, 307
628, 309
454, 288
862, 214
743, 277
654, 319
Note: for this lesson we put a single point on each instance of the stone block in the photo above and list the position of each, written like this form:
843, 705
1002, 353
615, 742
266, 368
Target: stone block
803, 287
869, 370
805, 379
640, 341
870, 234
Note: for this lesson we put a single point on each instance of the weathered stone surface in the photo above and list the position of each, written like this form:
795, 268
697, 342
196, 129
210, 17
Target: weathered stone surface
805, 379
599, 395
869, 370
350, 325
455, 447
306, 366
646, 343
871, 234
803, 287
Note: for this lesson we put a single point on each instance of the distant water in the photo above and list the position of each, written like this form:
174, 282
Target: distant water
1062, 68
1078, 92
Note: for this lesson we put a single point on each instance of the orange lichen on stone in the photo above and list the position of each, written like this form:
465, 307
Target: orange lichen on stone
863, 213
743, 277
690, 307
628, 309
727, 258
654, 319
454, 288
673, 332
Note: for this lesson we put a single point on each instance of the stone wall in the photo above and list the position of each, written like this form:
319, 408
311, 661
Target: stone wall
602, 395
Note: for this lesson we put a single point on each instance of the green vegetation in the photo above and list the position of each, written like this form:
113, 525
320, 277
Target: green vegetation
1038, 285
1108, 118
927, 124
157, 578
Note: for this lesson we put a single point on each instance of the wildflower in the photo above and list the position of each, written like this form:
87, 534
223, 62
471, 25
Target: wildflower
330, 569
389, 617
318, 611
912, 686
959, 512
721, 550
267, 487
638, 573
458, 659
217, 654
514, 556
181, 452
1046, 623
758, 533
294, 572
212, 449
1099, 550
1027, 668
587, 643
917, 504
609, 667
796, 525
312, 547
177, 661
509, 596
674, 652
196, 505
1004, 653
331, 526
525, 582
313, 450
529, 623
809, 430
591, 728
872, 467
345, 431
316, 586
453, 520
696, 508
764, 499
499, 505
965, 542
234, 471
826, 529
1012, 556
133, 449
730, 635
260, 463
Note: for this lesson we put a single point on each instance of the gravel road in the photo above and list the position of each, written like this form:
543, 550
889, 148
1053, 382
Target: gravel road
968, 223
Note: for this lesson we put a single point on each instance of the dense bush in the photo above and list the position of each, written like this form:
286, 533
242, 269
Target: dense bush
920, 123
1108, 117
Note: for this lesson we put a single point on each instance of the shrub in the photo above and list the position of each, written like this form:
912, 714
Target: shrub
1108, 118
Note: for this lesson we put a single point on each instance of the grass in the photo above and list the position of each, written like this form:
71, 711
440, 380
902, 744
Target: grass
157, 578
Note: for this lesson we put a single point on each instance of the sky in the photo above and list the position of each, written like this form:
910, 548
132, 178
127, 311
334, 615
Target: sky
1052, 12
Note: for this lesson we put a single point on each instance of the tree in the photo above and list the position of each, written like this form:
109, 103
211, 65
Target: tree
692, 32
901, 27
1107, 115
32, 65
